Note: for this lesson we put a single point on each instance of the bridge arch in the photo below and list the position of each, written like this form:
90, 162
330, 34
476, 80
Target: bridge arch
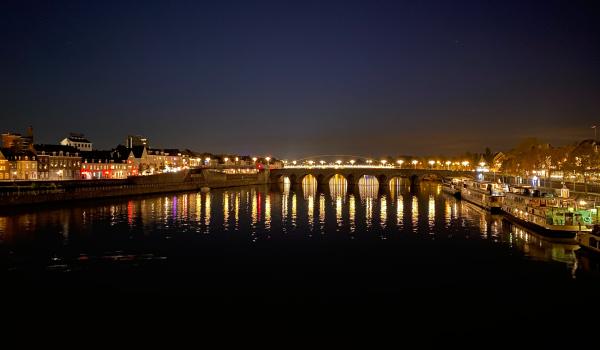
325, 179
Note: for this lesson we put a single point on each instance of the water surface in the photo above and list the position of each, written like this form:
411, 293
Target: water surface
412, 249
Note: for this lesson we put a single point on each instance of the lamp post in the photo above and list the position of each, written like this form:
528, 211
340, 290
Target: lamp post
414, 162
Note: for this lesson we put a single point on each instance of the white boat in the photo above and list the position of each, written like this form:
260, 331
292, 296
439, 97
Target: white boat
486, 194
452, 186
547, 213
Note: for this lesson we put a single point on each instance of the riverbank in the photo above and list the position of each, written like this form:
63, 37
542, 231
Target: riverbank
42, 192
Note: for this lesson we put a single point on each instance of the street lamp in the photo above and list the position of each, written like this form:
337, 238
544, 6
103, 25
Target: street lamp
338, 162
431, 163
294, 162
322, 162
448, 164
311, 162
465, 163
414, 162
268, 159
400, 161
254, 159
352, 161
383, 161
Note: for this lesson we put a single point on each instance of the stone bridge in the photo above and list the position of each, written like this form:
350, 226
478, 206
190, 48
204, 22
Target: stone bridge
353, 175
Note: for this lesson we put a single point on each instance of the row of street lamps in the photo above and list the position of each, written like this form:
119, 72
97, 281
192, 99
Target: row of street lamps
384, 162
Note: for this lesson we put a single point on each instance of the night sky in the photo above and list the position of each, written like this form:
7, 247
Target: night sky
299, 78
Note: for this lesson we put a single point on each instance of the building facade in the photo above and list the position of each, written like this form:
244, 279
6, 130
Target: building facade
114, 164
57, 162
78, 141
18, 142
4, 167
137, 141
152, 161
22, 165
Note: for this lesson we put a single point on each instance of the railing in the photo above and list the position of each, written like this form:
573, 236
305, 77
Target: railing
366, 166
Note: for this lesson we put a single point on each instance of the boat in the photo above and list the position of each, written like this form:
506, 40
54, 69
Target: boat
486, 194
547, 213
590, 240
452, 186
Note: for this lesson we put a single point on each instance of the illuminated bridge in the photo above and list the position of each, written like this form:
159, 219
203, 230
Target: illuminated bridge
353, 174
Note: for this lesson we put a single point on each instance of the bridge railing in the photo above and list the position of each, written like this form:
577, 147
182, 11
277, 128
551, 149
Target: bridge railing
367, 166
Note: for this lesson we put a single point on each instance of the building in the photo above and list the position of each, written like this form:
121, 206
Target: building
78, 141
4, 167
137, 141
17, 141
58, 162
115, 164
150, 161
124, 155
190, 159
22, 164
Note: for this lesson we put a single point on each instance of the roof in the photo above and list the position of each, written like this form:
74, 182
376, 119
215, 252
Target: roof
95, 156
48, 149
77, 139
164, 151
172, 151
121, 153
10, 154
138, 151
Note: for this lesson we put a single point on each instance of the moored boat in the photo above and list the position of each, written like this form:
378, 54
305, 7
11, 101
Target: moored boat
452, 186
590, 240
486, 194
547, 213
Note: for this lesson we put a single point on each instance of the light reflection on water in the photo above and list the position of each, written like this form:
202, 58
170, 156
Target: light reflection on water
261, 212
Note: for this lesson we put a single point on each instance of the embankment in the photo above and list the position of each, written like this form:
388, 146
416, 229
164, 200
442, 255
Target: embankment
41, 192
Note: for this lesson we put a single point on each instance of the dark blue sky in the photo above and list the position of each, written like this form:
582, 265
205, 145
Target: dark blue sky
293, 78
